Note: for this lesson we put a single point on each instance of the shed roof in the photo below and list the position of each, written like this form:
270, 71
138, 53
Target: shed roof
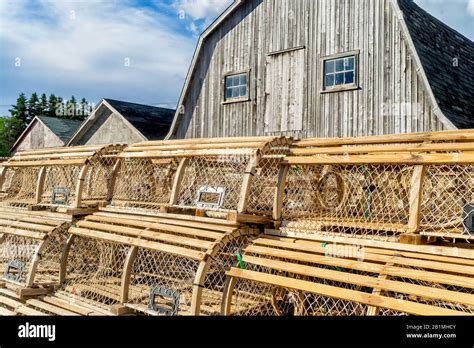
63, 128
153, 122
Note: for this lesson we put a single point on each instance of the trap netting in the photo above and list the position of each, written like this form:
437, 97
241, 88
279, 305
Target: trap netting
153, 266
69, 177
447, 208
282, 276
380, 191
216, 175
31, 248
359, 200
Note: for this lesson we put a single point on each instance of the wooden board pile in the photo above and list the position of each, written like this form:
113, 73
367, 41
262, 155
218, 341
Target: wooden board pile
249, 226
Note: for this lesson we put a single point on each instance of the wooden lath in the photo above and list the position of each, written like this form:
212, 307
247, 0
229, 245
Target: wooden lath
172, 161
151, 247
433, 159
35, 240
363, 280
76, 165
443, 136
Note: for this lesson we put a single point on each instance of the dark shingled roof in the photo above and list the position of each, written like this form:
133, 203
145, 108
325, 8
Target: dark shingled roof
63, 128
153, 122
437, 46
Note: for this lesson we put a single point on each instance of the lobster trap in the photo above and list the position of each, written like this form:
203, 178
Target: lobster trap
32, 239
130, 264
220, 178
74, 177
384, 191
343, 277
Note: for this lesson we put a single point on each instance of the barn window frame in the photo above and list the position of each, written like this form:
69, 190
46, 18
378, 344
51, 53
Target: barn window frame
344, 86
239, 99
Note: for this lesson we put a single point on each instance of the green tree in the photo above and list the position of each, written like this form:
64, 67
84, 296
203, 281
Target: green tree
10, 129
33, 107
19, 111
43, 105
52, 105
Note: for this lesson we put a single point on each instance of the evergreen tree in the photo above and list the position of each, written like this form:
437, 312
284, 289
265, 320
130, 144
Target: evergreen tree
52, 105
85, 109
19, 110
43, 105
10, 129
33, 106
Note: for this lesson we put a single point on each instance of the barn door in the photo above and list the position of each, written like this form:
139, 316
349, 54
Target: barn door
285, 91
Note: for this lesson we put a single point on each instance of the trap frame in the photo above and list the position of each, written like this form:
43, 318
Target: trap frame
231, 178
31, 239
60, 178
164, 243
396, 188
341, 276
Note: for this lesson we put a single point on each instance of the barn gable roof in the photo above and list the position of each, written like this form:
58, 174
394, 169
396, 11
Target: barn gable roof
149, 122
63, 128
451, 89
447, 58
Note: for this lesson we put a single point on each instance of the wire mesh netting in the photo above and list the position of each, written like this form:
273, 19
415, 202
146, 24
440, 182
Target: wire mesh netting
144, 183
49, 265
18, 254
265, 181
370, 201
447, 190
16, 257
19, 186
340, 284
94, 271
207, 173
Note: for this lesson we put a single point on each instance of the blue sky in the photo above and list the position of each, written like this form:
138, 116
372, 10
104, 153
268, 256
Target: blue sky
134, 50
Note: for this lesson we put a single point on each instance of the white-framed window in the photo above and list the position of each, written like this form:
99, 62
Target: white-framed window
340, 72
236, 87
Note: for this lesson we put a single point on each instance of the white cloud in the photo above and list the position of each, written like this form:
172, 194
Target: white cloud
470, 7
85, 46
202, 9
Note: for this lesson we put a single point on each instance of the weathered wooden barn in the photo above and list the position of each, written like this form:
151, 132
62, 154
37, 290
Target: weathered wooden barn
326, 68
44, 131
119, 122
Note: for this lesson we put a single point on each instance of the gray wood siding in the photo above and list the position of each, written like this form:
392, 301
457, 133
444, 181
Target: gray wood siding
38, 137
391, 98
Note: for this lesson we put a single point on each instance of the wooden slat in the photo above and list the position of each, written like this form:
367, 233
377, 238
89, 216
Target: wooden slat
50, 308
25, 225
73, 162
437, 147
438, 266
175, 250
228, 140
401, 158
190, 228
437, 277
189, 153
343, 294
69, 306
366, 281
24, 233
457, 135
425, 249
144, 233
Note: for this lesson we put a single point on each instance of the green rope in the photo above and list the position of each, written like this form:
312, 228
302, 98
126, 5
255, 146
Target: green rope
240, 259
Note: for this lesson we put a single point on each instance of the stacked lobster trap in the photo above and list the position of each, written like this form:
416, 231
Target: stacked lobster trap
180, 213
43, 191
343, 208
